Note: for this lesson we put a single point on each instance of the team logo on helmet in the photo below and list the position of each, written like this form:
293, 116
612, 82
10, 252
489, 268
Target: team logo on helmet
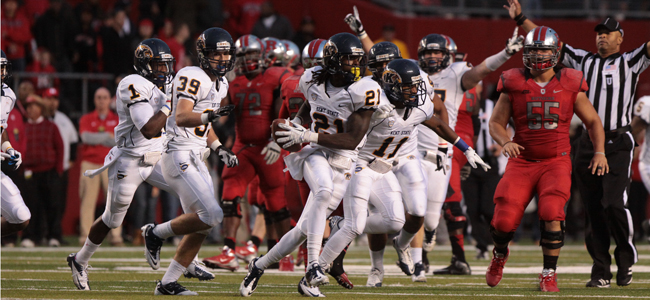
348, 176
144, 51
200, 42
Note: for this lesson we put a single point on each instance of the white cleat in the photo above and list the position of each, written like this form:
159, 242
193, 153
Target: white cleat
308, 291
405, 262
375, 278
315, 275
79, 273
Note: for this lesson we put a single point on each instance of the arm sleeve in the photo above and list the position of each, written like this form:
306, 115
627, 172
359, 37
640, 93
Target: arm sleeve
572, 57
642, 109
141, 113
638, 59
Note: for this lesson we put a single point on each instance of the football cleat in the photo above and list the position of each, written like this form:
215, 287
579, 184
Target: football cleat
342, 279
79, 273
375, 278
548, 281
429, 240
172, 288
599, 283
624, 277
246, 253
152, 246
286, 263
494, 272
226, 260
199, 271
405, 262
248, 286
481, 254
419, 275
456, 267
315, 275
308, 291
301, 258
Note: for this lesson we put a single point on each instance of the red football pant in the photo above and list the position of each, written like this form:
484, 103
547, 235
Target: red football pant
252, 164
550, 178
457, 162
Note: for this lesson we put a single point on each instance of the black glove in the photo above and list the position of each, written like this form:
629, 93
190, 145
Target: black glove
227, 157
465, 171
213, 115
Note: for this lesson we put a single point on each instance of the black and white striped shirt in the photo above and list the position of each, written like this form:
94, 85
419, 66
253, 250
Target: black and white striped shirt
612, 81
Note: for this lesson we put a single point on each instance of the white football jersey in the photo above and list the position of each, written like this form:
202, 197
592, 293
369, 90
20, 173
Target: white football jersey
8, 102
411, 144
138, 99
194, 84
447, 85
387, 136
331, 106
642, 110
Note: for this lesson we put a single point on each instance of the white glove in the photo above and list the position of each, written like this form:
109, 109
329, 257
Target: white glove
4, 155
295, 135
355, 22
227, 157
272, 151
473, 159
515, 43
15, 158
383, 112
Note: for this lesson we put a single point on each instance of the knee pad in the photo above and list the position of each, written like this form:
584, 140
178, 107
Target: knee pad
395, 226
211, 216
22, 214
454, 216
231, 208
280, 215
551, 236
500, 237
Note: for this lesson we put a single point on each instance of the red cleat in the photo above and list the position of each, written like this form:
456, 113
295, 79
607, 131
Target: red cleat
548, 281
286, 263
495, 270
343, 281
226, 260
246, 253
302, 256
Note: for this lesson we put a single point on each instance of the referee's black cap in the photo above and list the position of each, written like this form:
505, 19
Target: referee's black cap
610, 24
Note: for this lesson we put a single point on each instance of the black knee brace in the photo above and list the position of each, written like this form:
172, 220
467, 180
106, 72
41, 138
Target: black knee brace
231, 208
500, 237
280, 215
268, 217
454, 216
551, 236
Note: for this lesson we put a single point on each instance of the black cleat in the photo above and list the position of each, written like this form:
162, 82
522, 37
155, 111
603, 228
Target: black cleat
172, 288
599, 283
152, 245
624, 277
456, 267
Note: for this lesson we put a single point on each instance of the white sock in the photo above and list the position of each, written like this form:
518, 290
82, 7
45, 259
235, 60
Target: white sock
416, 254
315, 224
287, 244
173, 273
336, 244
404, 239
86, 252
164, 230
377, 259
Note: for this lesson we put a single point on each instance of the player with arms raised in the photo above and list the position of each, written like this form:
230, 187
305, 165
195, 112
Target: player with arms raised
541, 100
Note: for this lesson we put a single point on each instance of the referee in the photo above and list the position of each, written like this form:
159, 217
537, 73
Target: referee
612, 78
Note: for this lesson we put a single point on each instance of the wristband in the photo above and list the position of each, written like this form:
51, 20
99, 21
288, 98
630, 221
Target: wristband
297, 120
460, 144
603, 153
6, 145
519, 16
166, 110
362, 34
504, 144
521, 20
204, 118
215, 145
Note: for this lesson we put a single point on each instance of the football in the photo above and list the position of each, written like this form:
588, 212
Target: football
276, 127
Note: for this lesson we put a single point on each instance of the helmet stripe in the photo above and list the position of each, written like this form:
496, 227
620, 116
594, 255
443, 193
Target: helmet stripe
544, 30
245, 40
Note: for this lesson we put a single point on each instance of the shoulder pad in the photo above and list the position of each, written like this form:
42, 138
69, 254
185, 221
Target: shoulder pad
511, 80
461, 66
642, 109
135, 88
8, 92
573, 80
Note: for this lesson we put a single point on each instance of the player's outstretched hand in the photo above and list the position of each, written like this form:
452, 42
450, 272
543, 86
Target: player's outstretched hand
598, 165
295, 135
227, 156
514, 8
383, 112
511, 149
515, 43
4, 156
354, 22
271, 152
465, 171
15, 158
223, 111
475, 160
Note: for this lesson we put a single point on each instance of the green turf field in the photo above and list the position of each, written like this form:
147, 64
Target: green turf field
123, 273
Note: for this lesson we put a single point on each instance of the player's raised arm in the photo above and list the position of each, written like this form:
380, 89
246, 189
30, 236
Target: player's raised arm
472, 77
356, 26
586, 112
514, 8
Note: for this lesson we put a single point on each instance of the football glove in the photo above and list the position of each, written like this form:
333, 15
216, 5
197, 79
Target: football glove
227, 157
474, 159
515, 43
355, 23
4, 156
383, 112
213, 115
441, 159
272, 151
295, 135
15, 158
465, 171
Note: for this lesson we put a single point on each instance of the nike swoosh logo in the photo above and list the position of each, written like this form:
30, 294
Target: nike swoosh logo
554, 91
341, 105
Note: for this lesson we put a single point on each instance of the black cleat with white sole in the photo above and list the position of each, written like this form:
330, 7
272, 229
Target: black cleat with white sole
152, 245
172, 288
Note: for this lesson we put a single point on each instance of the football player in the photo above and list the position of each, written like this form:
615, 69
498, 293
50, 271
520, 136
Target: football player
639, 123
292, 57
340, 104
256, 95
196, 96
15, 214
538, 154
143, 105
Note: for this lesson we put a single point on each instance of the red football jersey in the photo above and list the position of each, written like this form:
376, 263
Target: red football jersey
464, 126
292, 97
254, 104
542, 115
